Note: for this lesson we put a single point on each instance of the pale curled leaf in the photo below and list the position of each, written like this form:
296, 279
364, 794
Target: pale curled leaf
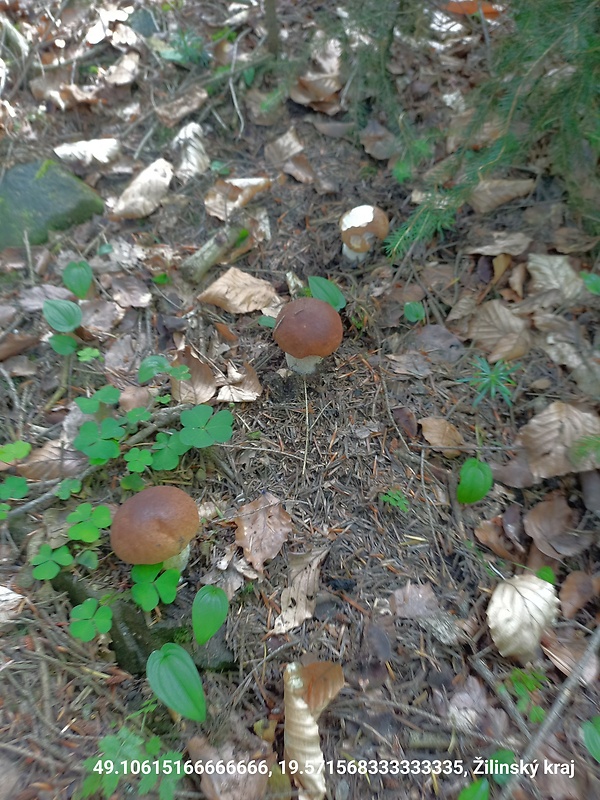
520, 610
554, 272
283, 148
238, 292
298, 599
489, 194
414, 600
242, 386
263, 526
550, 524
577, 590
145, 192
241, 784
201, 386
566, 652
496, 329
228, 195
442, 435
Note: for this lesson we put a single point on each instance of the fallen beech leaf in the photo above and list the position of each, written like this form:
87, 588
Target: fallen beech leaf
15, 343
228, 195
284, 148
489, 194
590, 489
130, 292
414, 600
550, 524
193, 160
100, 316
53, 460
467, 705
378, 141
298, 599
238, 292
519, 611
440, 346
492, 243
134, 397
442, 435
554, 272
550, 437
514, 473
567, 650
242, 386
145, 192
201, 385
300, 168
323, 680
406, 420
319, 87
490, 533
241, 784
500, 332
577, 590
172, 113
92, 151
410, 365
125, 70
263, 526
10, 602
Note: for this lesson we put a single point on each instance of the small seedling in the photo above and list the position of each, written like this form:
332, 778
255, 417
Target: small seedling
414, 312
591, 282
167, 450
491, 380
477, 790
209, 612
89, 619
48, 562
87, 523
77, 277
62, 344
267, 322
14, 451
325, 290
13, 488
155, 365
149, 588
476, 480
100, 442
138, 460
67, 487
62, 315
395, 498
108, 395
87, 354
174, 679
202, 428
523, 683
132, 482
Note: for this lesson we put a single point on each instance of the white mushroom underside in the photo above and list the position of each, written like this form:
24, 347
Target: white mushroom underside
303, 366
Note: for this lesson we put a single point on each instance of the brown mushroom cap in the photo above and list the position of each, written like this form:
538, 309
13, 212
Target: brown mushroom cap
154, 525
362, 225
308, 327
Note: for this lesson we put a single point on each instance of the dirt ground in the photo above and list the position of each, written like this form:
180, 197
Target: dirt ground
419, 687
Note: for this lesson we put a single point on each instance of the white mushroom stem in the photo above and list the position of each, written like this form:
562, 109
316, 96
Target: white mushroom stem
179, 561
303, 366
353, 255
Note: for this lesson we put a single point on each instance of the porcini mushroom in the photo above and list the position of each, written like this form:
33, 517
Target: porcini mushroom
308, 330
155, 525
361, 227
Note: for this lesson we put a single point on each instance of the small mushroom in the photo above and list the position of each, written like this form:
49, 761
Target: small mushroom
155, 525
308, 330
361, 227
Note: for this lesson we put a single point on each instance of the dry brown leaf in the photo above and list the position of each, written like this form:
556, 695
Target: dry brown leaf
33, 299
442, 435
92, 151
550, 524
554, 272
134, 397
492, 243
516, 279
243, 386
467, 705
406, 420
300, 168
489, 194
465, 305
566, 343
378, 141
298, 599
590, 489
125, 70
576, 591
130, 292
193, 160
411, 365
319, 87
9, 608
55, 88
201, 386
501, 263
515, 472
246, 784
519, 611
329, 127
122, 359
238, 292
491, 534
53, 460
227, 196
172, 113
567, 650
15, 343
99, 317
323, 680
145, 192
440, 345
263, 526
550, 436
20, 367
283, 148
500, 332
572, 240
414, 600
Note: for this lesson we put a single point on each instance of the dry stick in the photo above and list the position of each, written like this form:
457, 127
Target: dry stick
306, 424
554, 714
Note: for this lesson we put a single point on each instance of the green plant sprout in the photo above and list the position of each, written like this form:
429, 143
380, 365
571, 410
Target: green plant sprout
523, 683
151, 366
171, 672
14, 451
325, 290
87, 354
475, 481
87, 559
87, 522
67, 487
126, 747
90, 619
498, 766
202, 428
138, 460
414, 312
78, 277
62, 315
13, 488
132, 482
107, 395
491, 380
48, 563
149, 588
395, 498
100, 442
591, 282
591, 736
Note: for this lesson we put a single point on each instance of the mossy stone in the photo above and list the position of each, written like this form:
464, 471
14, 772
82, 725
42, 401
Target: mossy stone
39, 197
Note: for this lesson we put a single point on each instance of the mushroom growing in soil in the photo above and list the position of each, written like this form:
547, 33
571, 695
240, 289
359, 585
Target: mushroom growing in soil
308, 330
155, 525
361, 227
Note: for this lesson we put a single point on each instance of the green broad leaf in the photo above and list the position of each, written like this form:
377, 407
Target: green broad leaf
220, 427
102, 452
105, 249
152, 366
67, 487
13, 488
591, 736
111, 429
478, 790
87, 405
165, 459
62, 556
108, 394
14, 451
82, 629
89, 433
85, 610
4, 509
135, 415
81, 513
132, 483
162, 279
87, 559
103, 619
500, 757
77, 277
62, 344
546, 574
145, 573
174, 679
166, 585
145, 595
267, 322
249, 75
84, 532
476, 480
591, 282
100, 516
46, 571
322, 289
180, 373
43, 554
87, 354
62, 315
196, 417
414, 312
537, 714
209, 612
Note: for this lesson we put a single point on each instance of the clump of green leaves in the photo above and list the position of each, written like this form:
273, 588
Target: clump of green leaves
152, 586
395, 498
491, 380
48, 563
90, 619
523, 683
87, 522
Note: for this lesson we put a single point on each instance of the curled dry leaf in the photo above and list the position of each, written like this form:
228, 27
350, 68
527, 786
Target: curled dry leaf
99, 317
9, 605
131, 292
519, 612
243, 386
550, 437
201, 386
567, 650
92, 151
307, 691
515, 472
550, 525
125, 70
491, 534
284, 148
576, 592
467, 705
410, 365
227, 196
492, 243
263, 526
319, 87
145, 192
172, 113
489, 194
500, 332
134, 397
442, 435
53, 460
247, 784
298, 599
378, 141
414, 600
15, 343
238, 292
193, 158
554, 272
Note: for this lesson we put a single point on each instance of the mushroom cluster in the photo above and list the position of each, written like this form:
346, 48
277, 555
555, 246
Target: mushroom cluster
155, 525
308, 330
